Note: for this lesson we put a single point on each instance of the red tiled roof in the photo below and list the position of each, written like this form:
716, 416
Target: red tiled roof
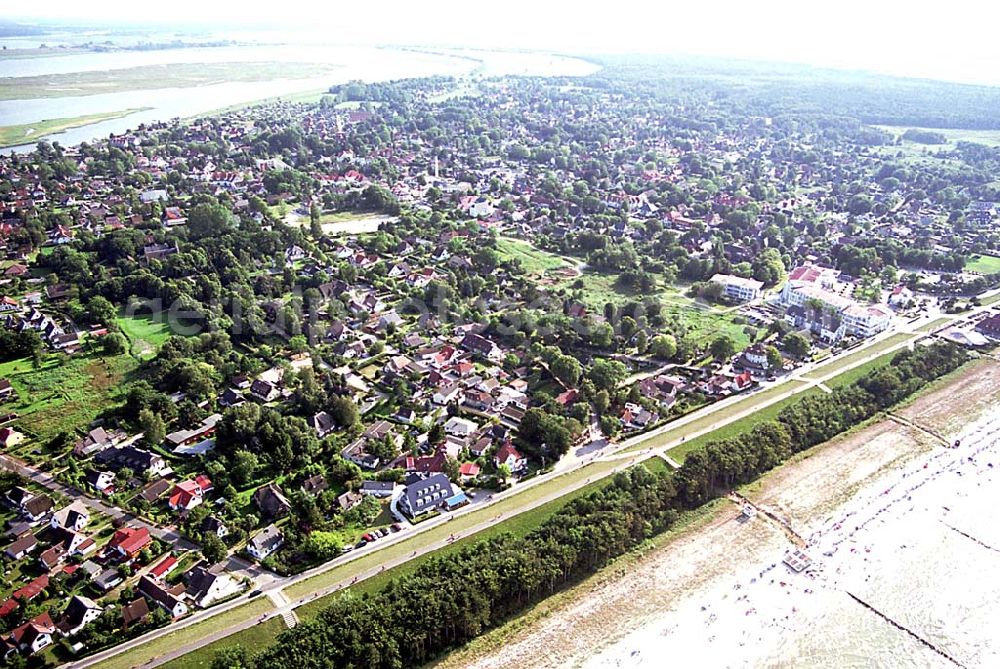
31, 590
130, 540
165, 566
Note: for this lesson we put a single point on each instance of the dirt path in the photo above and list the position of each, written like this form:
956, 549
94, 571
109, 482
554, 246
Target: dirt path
572, 628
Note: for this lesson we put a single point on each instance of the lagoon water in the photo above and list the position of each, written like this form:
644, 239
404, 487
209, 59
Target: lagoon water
350, 62
921, 546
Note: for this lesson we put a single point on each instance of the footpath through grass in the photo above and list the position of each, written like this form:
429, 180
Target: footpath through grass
852, 358
164, 644
145, 334
710, 419
260, 635
509, 505
253, 638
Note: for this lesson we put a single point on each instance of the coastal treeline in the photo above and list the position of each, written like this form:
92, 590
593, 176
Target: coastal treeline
450, 600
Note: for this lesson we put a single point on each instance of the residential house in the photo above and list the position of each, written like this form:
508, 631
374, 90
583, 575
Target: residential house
460, 427
482, 346
9, 437
73, 517
323, 424
424, 495
141, 462
212, 525
271, 502
108, 579
265, 542
378, 488
188, 494
636, 417
37, 508
205, 587
314, 485
134, 612
21, 547
102, 482
263, 391
737, 288
129, 541
78, 614
508, 455
348, 500
468, 471
154, 490
34, 635
168, 599
165, 566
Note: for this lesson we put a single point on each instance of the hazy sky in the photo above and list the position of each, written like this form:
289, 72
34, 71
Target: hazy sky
956, 39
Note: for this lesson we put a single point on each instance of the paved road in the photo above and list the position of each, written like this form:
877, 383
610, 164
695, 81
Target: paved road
46, 480
613, 452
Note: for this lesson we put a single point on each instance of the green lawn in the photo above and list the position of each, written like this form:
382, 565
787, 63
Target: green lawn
852, 375
701, 321
65, 393
984, 264
148, 651
534, 261
256, 638
952, 136
934, 324
708, 420
145, 334
852, 358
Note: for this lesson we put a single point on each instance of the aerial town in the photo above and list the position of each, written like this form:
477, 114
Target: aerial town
245, 346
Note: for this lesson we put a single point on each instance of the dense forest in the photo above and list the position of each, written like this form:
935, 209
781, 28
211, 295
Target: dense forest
451, 600
779, 88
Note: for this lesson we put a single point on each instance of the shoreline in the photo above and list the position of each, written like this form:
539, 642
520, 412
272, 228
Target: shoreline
647, 602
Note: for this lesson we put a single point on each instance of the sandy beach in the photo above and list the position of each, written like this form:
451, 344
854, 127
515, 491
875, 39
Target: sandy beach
892, 518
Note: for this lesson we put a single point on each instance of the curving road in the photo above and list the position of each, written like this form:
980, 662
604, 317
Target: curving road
597, 450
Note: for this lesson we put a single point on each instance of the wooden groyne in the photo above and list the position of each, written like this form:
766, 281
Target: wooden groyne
970, 537
902, 628
917, 426
785, 526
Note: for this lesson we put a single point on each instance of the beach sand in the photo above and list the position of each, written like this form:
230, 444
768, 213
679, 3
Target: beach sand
870, 504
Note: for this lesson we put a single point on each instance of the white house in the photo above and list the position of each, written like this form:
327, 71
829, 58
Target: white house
266, 542
460, 427
73, 517
738, 288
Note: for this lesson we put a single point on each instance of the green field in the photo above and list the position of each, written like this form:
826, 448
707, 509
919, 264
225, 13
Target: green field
952, 136
701, 321
534, 261
934, 324
256, 637
709, 420
145, 334
145, 653
852, 358
143, 77
852, 375
64, 393
983, 264
12, 135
